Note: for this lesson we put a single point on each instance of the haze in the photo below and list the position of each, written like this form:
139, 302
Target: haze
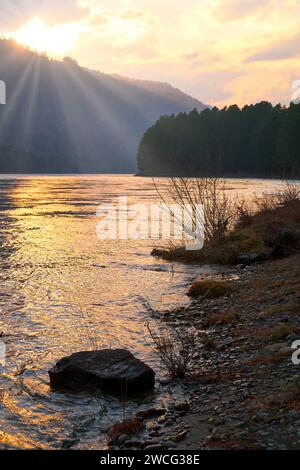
219, 51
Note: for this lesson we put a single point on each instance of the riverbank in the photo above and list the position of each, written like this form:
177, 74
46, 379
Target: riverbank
243, 390
248, 396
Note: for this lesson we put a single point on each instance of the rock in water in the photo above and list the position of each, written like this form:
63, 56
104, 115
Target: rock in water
114, 370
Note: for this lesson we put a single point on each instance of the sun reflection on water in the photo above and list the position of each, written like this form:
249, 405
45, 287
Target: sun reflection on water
63, 290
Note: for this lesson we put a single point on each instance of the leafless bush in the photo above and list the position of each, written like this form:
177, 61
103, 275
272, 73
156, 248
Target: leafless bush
194, 194
176, 347
290, 193
267, 202
244, 214
280, 197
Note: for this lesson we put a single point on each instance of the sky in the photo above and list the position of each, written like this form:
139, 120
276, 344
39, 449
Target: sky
219, 51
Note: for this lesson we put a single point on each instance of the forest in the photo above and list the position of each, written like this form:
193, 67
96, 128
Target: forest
258, 140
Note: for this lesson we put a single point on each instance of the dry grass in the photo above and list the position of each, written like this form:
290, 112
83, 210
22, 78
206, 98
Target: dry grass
129, 427
247, 235
276, 287
280, 197
230, 444
225, 253
267, 359
288, 399
210, 288
223, 318
176, 347
244, 214
272, 310
280, 331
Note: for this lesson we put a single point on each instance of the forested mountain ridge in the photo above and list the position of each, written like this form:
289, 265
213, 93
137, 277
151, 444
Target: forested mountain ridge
62, 118
257, 141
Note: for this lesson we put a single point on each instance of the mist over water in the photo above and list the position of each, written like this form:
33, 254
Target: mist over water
63, 290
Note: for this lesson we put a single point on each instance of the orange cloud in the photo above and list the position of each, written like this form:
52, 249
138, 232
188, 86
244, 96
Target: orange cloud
220, 51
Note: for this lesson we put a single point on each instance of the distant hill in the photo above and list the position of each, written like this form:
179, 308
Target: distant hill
60, 117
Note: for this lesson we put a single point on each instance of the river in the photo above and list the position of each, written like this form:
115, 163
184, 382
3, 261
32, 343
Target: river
62, 289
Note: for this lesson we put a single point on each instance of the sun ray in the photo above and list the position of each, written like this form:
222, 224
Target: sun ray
97, 111
27, 125
14, 97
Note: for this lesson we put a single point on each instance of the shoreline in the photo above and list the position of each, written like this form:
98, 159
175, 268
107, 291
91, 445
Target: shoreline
241, 392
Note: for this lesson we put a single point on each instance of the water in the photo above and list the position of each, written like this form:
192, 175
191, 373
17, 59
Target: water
63, 290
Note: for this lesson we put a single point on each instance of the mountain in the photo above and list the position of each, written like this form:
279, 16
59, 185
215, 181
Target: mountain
63, 118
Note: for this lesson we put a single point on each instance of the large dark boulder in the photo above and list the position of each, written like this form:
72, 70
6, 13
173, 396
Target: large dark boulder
113, 370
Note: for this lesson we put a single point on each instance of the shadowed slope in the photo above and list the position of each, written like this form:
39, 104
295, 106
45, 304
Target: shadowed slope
60, 117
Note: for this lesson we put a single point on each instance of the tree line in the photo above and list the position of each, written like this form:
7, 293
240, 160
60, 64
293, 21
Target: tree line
258, 140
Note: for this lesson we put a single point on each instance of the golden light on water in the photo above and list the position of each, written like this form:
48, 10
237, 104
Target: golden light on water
63, 290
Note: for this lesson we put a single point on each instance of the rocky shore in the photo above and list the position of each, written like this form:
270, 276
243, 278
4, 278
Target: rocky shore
242, 390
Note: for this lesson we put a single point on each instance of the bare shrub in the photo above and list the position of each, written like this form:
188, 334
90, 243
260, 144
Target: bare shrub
280, 197
290, 193
244, 214
267, 202
176, 347
219, 210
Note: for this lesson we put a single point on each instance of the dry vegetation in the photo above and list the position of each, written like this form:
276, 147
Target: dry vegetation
288, 399
210, 288
270, 293
275, 333
129, 427
176, 347
247, 323
231, 226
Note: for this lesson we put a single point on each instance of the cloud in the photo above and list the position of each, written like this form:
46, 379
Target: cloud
17, 12
216, 50
279, 51
261, 81
215, 85
122, 29
132, 14
191, 56
230, 10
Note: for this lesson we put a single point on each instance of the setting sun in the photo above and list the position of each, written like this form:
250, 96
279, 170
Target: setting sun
56, 40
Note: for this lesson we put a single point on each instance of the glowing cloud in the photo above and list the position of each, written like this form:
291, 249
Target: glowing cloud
56, 40
220, 51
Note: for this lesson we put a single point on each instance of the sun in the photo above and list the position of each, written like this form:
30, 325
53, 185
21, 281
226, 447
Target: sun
54, 40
